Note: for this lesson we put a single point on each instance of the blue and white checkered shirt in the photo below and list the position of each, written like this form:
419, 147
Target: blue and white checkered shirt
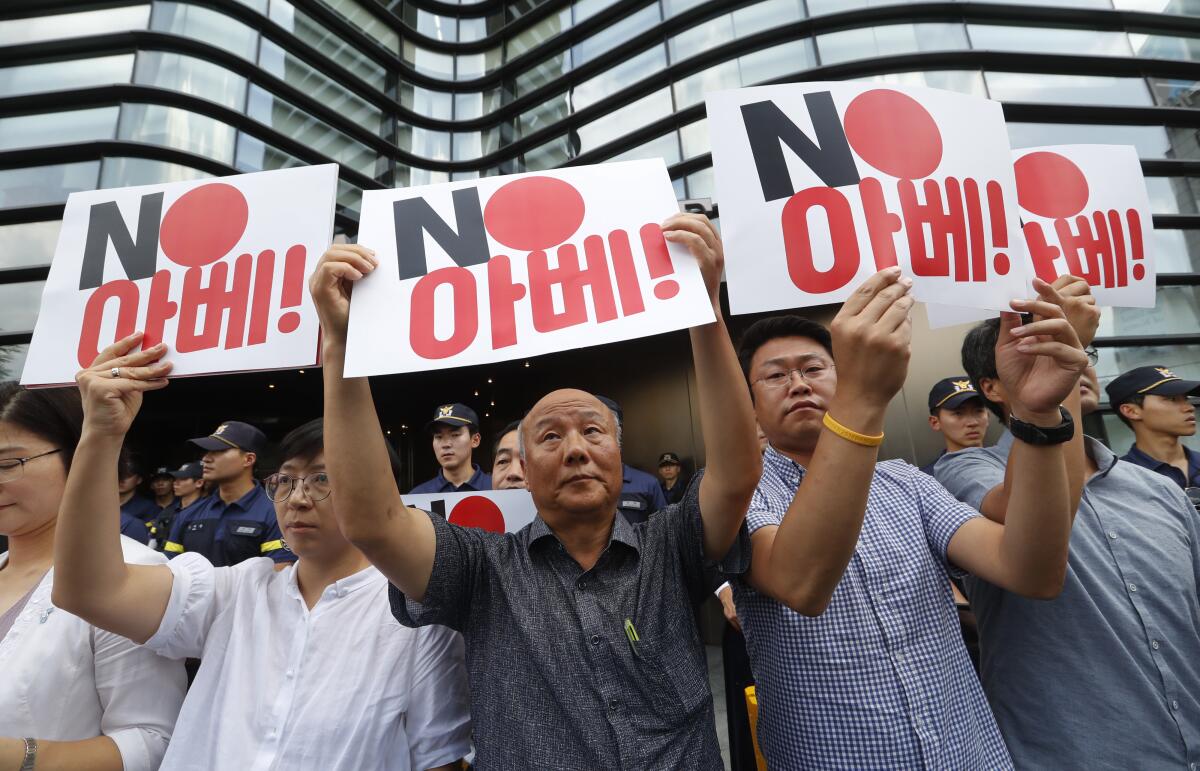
881, 679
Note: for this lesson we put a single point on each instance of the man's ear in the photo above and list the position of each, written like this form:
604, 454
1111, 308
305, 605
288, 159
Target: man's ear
249, 459
934, 423
990, 387
476, 439
1131, 411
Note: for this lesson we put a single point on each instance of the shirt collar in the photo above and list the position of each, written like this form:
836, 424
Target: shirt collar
783, 466
622, 532
339, 588
1152, 463
474, 481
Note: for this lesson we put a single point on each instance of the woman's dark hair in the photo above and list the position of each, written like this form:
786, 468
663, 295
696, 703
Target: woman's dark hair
54, 414
307, 441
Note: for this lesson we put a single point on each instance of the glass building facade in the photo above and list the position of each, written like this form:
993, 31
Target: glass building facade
406, 92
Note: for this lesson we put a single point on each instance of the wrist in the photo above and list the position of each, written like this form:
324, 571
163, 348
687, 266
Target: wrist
97, 438
1040, 418
861, 415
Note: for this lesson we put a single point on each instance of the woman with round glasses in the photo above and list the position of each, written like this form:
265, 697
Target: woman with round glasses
71, 695
299, 668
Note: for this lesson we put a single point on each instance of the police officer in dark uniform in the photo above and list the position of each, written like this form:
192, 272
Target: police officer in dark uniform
454, 430
957, 412
237, 521
1156, 404
186, 486
674, 481
641, 495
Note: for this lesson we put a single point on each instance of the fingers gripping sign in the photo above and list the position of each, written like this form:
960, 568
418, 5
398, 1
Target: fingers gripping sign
1039, 363
697, 233
112, 387
1079, 305
872, 337
332, 282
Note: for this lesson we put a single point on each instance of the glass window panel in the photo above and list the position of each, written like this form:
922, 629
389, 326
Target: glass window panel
1058, 3
665, 147
616, 78
308, 80
191, 76
1175, 251
12, 361
456, 176
46, 184
469, 145
691, 89
533, 37
1174, 195
700, 183
1175, 93
19, 305
293, 122
433, 145
1067, 89
1181, 7
1176, 311
57, 76
335, 46
432, 25
679, 185
694, 138
545, 71
475, 104
888, 40
183, 130
1038, 40
419, 176
368, 22
58, 128
777, 61
614, 34
477, 65
962, 81
547, 156
585, 9
1150, 141
433, 104
470, 30
253, 154
428, 62
1165, 47
348, 196
821, 7
676, 7
628, 118
28, 243
123, 172
701, 38
766, 15
547, 113
205, 25
66, 25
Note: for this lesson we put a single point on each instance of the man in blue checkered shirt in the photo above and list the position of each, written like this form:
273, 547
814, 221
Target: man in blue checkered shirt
850, 624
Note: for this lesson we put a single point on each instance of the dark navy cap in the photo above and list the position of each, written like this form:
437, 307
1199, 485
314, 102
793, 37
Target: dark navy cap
454, 415
612, 405
1159, 381
161, 471
233, 434
188, 471
950, 392
667, 458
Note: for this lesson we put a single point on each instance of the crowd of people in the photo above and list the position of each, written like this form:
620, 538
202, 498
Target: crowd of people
1030, 604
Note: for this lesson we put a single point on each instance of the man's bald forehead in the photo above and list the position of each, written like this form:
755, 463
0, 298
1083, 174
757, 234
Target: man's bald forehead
566, 396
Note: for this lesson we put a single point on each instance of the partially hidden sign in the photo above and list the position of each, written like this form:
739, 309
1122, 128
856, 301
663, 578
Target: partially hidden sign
498, 511
215, 268
1086, 212
822, 184
507, 267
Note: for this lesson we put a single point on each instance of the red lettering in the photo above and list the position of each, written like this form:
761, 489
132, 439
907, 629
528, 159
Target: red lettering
1094, 246
423, 312
1041, 252
127, 296
797, 244
572, 279
944, 227
503, 294
881, 223
159, 309
628, 286
216, 300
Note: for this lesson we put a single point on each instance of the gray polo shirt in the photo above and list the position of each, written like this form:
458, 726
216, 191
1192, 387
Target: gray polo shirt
555, 683
1107, 675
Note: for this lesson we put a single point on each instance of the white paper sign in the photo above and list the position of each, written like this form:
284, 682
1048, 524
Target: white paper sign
822, 184
500, 511
509, 267
1085, 212
216, 268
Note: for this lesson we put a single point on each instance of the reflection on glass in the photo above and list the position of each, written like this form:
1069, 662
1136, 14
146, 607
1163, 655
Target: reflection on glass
614, 34
545, 71
1175, 93
475, 144
1150, 141
419, 176
205, 25
700, 38
191, 76
428, 62
1181, 7
691, 89
700, 184
1174, 195
368, 22
427, 102
549, 112
58, 128
616, 78
777, 61
694, 138
585, 9
58, 76
547, 156
66, 25
1041, 40
19, 306
253, 154
962, 81
123, 172
427, 143
293, 122
822, 7
28, 243
665, 147
1175, 251
533, 37
477, 65
1067, 89
766, 15
1176, 311
12, 361
1165, 47
474, 104
335, 46
621, 121
46, 184
308, 80
173, 127
889, 40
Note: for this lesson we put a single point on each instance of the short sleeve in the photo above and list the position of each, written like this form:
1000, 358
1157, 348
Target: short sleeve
457, 562
942, 515
762, 511
969, 475
199, 592
689, 523
438, 723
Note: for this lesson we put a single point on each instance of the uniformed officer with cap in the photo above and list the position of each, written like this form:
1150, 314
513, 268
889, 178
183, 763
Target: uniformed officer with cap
455, 432
673, 482
957, 412
1153, 401
237, 521
162, 484
187, 484
641, 495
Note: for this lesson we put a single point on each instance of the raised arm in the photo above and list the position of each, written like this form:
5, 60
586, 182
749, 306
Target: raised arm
91, 577
801, 562
734, 463
398, 540
1039, 365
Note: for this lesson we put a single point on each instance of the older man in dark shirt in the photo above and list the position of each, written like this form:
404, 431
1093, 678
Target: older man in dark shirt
582, 651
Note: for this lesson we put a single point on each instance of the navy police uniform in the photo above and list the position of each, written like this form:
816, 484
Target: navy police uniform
673, 494
948, 394
1158, 381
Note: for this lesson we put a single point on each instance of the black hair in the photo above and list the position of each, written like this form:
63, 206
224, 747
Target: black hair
54, 414
308, 441
1138, 399
765, 330
979, 358
496, 444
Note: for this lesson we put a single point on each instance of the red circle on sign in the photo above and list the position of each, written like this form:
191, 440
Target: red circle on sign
477, 511
204, 224
534, 213
894, 133
1050, 185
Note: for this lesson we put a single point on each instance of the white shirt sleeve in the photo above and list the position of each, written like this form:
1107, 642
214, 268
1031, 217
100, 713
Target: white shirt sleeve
199, 592
438, 723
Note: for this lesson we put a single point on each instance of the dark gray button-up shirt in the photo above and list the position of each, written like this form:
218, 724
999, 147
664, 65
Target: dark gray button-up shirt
1106, 676
555, 681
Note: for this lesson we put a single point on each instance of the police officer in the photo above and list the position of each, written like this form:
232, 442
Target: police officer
237, 521
670, 471
957, 412
162, 484
133, 503
641, 495
455, 432
186, 484
1153, 401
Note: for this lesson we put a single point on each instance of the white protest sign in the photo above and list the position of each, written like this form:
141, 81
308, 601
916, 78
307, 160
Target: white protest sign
215, 268
500, 511
1085, 212
508, 267
822, 184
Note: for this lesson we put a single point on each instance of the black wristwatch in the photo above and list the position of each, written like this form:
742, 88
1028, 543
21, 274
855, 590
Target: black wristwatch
1043, 437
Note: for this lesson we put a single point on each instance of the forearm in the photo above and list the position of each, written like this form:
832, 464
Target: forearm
97, 754
734, 463
1075, 454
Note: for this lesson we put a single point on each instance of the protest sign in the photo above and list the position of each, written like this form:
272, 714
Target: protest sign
822, 184
215, 268
509, 267
500, 511
1085, 212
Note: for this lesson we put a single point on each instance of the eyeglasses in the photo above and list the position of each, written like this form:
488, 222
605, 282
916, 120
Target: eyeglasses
1092, 354
280, 486
812, 372
11, 468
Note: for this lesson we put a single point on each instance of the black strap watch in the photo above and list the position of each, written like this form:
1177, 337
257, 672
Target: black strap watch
1043, 437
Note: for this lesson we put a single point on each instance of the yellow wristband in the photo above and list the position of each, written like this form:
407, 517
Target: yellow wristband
850, 435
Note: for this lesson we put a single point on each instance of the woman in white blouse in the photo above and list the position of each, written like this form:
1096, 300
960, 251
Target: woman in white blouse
71, 696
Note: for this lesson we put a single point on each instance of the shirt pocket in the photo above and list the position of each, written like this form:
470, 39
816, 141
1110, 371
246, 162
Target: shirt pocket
198, 537
243, 540
674, 685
